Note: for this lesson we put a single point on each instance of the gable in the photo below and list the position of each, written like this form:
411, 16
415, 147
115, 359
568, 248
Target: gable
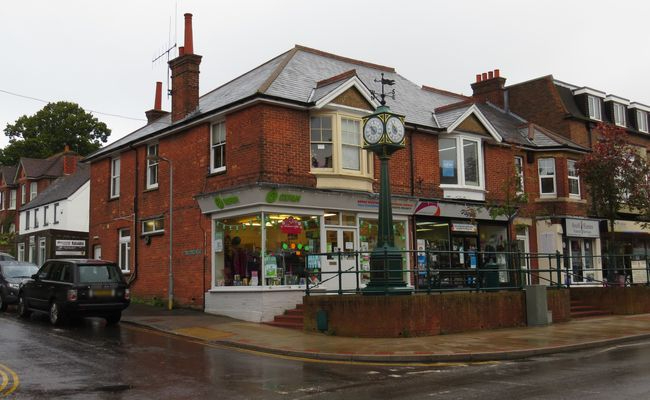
471, 124
353, 98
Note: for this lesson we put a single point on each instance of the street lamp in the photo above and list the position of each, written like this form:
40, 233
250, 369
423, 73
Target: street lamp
383, 134
170, 294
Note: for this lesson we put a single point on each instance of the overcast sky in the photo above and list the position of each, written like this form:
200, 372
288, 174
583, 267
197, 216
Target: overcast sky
99, 53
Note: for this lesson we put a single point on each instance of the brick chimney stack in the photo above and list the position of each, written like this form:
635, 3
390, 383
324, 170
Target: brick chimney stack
70, 159
156, 112
185, 76
489, 86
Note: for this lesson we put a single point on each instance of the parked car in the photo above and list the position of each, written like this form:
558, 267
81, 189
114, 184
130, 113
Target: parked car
71, 288
12, 274
6, 257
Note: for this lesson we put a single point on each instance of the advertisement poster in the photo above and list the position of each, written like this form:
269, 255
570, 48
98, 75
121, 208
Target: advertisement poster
270, 267
448, 167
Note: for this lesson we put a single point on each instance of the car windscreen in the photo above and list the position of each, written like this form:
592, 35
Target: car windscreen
19, 271
99, 273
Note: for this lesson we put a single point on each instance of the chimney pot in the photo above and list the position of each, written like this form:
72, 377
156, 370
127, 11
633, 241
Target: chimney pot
157, 105
497, 73
478, 77
531, 131
189, 42
484, 76
490, 75
181, 51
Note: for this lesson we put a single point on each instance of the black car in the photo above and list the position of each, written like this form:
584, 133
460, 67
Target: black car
70, 288
12, 274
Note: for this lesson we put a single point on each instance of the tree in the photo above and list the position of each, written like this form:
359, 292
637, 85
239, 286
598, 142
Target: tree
616, 176
50, 129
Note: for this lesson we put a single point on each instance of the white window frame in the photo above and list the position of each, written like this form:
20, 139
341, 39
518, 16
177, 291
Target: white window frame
42, 255
356, 147
124, 249
12, 227
595, 108
519, 171
219, 129
2, 200
460, 160
32, 251
619, 114
12, 199
554, 177
149, 226
642, 120
21, 252
573, 177
35, 218
45, 208
33, 190
115, 177
152, 165
23, 194
56, 213
365, 169
27, 218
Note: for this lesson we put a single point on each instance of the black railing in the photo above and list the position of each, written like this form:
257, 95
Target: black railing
432, 271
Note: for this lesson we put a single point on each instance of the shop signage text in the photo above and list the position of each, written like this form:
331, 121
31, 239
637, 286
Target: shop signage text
291, 226
70, 247
273, 195
582, 228
461, 227
225, 201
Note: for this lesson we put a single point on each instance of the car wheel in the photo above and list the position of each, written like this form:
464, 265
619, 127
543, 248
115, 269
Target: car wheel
23, 307
3, 305
56, 314
114, 318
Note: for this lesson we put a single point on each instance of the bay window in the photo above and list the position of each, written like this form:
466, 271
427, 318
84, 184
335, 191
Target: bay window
321, 142
461, 164
547, 186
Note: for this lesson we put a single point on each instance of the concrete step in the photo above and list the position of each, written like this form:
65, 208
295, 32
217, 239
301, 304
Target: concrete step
285, 325
289, 318
589, 313
298, 312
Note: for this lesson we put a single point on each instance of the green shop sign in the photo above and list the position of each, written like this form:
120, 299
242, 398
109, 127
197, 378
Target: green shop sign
226, 201
272, 196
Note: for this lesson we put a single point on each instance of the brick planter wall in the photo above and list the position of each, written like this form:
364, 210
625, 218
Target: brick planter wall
617, 300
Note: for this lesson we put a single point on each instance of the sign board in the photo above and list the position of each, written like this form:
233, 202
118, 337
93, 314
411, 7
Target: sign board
70, 247
582, 228
463, 227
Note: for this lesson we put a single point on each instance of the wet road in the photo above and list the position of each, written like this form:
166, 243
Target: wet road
92, 361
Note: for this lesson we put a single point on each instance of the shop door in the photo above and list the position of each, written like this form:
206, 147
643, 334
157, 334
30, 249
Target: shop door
345, 241
575, 255
464, 257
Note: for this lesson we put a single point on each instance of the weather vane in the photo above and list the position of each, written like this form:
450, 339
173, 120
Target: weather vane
391, 94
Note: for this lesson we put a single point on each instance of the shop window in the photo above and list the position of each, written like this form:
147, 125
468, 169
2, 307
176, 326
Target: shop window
461, 162
218, 147
115, 177
237, 247
368, 241
547, 177
574, 179
594, 107
153, 226
152, 166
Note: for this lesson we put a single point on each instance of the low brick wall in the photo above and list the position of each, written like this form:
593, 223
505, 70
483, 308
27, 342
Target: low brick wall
559, 302
416, 315
617, 300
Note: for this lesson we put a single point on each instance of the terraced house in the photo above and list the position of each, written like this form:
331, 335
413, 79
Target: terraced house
235, 189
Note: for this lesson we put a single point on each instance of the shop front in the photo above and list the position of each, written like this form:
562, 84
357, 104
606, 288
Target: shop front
269, 243
458, 240
632, 250
581, 247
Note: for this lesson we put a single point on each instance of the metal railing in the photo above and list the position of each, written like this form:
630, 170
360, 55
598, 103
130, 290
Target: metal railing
433, 271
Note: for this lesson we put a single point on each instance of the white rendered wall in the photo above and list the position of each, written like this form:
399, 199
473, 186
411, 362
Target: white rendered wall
254, 306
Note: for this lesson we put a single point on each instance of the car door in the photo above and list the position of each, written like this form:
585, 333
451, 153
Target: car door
35, 290
53, 285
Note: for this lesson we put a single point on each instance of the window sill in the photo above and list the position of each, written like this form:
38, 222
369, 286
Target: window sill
216, 173
151, 189
149, 234
333, 180
114, 198
463, 192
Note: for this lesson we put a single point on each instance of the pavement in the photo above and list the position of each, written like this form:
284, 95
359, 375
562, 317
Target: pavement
484, 345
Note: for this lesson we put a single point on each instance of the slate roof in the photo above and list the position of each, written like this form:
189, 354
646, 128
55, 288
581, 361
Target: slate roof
61, 188
293, 76
9, 174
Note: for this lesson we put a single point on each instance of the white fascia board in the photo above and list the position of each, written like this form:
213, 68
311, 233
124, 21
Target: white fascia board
478, 114
352, 82
639, 106
617, 99
593, 92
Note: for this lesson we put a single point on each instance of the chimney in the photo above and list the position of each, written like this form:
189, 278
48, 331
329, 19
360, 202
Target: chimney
156, 112
185, 77
531, 131
489, 86
70, 159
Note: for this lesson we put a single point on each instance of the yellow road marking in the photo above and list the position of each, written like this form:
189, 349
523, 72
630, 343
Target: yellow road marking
310, 360
14, 377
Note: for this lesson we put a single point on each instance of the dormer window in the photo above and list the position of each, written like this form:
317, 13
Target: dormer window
619, 114
594, 107
642, 120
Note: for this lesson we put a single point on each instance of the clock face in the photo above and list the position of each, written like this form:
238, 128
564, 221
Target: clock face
373, 130
395, 129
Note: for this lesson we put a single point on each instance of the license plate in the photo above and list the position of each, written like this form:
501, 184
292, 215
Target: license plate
102, 293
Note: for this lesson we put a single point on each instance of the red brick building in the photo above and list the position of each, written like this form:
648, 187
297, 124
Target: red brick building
270, 168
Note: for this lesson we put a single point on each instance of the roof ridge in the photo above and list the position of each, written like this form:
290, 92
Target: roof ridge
453, 106
445, 92
340, 77
344, 59
277, 71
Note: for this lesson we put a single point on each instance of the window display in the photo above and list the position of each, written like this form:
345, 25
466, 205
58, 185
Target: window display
368, 233
237, 247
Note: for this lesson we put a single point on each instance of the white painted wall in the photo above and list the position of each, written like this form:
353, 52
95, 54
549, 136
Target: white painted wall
72, 214
254, 306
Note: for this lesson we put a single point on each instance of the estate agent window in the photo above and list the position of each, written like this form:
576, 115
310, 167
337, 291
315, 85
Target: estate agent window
468, 152
547, 177
115, 177
218, 147
152, 166
574, 179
